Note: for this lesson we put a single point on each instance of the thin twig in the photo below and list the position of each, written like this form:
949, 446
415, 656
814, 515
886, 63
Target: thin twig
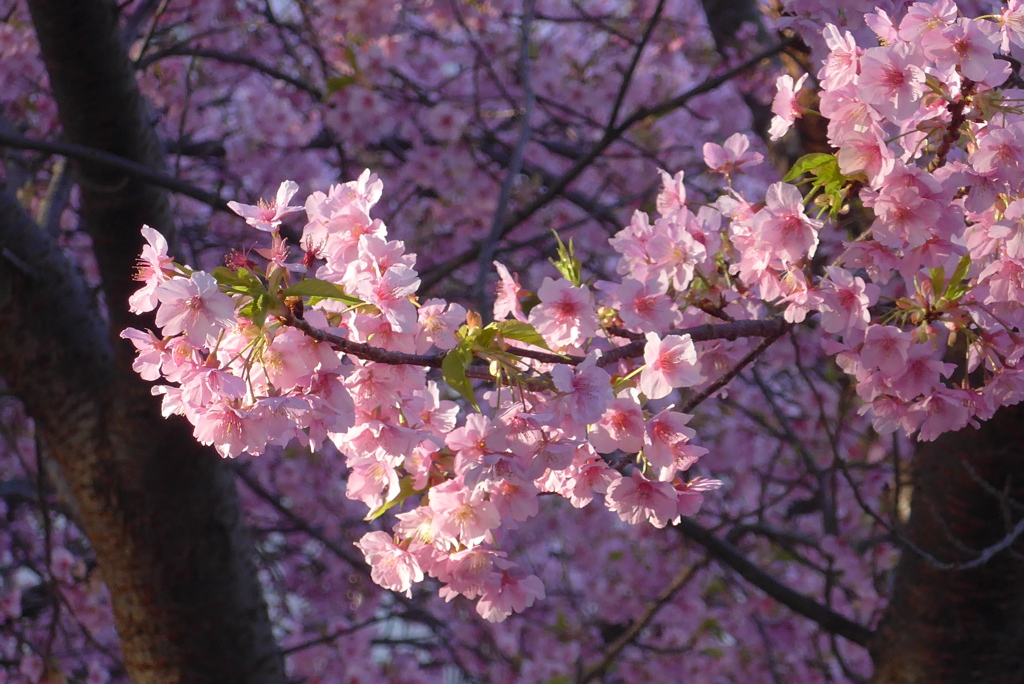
94, 156
723, 551
515, 164
437, 273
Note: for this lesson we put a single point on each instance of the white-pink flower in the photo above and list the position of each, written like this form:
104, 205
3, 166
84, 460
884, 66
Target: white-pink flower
390, 566
891, 79
669, 363
783, 227
637, 498
267, 216
195, 307
154, 269
587, 388
784, 106
565, 315
732, 157
507, 591
507, 301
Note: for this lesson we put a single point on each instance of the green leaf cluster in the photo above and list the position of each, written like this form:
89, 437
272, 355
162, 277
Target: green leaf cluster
567, 263
486, 343
956, 287
825, 179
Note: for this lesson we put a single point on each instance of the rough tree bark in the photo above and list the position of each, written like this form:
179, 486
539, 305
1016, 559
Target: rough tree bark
161, 512
960, 625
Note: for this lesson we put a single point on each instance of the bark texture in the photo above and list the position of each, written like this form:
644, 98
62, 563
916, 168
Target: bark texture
161, 512
960, 625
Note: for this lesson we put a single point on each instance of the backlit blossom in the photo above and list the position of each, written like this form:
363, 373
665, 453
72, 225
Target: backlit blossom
785, 106
267, 216
637, 498
154, 269
565, 315
390, 566
668, 363
783, 227
891, 79
732, 157
195, 307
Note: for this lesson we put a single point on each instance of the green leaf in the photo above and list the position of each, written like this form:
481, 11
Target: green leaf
453, 369
567, 263
938, 280
314, 287
485, 337
405, 490
241, 281
809, 163
257, 308
957, 288
338, 83
521, 331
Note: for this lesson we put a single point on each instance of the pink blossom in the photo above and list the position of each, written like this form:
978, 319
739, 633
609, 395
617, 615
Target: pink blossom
439, 321
921, 373
461, 514
587, 389
866, 152
565, 315
891, 79
390, 292
731, 158
785, 106
668, 363
151, 351
373, 482
925, 17
195, 307
643, 305
1011, 25
666, 444
783, 227
885, 347
968, 45
154, 269
390, 566
621, 427
507, 302
267, 217
905, 218
510, 590
845, 301
1000, 153
231, 430
843, 59
945, 410
672, 196
637, 498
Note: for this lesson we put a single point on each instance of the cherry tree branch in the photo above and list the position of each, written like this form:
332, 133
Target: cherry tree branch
771, 328
627, 78
232, 58
683, 578
515, 163
723, 551
113, 161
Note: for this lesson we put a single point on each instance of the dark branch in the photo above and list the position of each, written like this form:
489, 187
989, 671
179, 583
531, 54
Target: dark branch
139, 171
723, 551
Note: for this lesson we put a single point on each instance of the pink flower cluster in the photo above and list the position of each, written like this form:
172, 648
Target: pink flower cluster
349, 367
924, 306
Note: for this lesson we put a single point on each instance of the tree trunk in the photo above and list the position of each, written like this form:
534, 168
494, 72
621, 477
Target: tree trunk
161, 512
960, 625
